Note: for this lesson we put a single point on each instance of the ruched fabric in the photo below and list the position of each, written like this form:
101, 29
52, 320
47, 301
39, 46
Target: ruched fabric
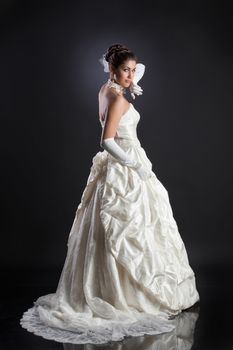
126, 269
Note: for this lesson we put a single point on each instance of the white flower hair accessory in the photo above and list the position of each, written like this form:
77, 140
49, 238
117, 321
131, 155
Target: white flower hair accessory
103, 61
134, 88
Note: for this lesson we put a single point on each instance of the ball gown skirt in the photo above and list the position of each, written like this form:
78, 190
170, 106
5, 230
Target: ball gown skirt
126, 270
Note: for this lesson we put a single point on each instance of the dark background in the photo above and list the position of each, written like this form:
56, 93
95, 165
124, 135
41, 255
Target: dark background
50, 78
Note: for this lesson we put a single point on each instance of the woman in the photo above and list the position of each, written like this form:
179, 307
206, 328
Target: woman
126, 271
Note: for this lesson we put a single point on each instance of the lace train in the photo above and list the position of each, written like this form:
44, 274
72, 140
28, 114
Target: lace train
112, 331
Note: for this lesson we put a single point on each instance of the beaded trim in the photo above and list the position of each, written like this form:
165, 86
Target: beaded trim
118, 87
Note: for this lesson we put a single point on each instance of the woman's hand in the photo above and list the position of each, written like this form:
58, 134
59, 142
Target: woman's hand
135, 89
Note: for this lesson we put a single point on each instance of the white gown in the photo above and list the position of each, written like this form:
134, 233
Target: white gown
126, 270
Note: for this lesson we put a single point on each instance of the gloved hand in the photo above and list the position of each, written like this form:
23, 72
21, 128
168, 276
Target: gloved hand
134, 87
110, 145
135, 90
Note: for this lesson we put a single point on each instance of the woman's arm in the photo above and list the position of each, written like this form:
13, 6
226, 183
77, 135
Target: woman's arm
115, 111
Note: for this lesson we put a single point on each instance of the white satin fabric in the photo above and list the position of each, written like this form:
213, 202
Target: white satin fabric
126, 269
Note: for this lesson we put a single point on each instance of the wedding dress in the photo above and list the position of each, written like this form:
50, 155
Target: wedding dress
126, 271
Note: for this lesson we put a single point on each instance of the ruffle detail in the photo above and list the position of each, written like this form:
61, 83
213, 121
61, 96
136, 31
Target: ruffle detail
180, 329
98, 168
109, 332
142, 235
147, 263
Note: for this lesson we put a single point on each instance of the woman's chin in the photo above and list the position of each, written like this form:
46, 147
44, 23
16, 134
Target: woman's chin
127, 84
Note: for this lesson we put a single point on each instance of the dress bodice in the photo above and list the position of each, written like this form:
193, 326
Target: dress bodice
127, 127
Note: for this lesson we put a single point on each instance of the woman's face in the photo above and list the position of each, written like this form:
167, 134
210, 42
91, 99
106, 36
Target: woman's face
125, 73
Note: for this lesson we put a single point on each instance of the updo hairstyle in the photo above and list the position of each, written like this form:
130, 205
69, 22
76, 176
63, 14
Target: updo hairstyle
117, 54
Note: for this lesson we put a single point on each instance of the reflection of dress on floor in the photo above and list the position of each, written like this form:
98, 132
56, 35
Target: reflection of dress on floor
180, 338
126, 268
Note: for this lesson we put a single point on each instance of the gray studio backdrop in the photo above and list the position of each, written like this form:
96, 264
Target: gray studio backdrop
50, 77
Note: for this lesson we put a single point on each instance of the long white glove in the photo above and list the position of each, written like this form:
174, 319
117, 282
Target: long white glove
110, 145
134, 88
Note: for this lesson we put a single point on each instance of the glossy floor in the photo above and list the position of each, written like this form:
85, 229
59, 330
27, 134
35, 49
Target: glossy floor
205, 326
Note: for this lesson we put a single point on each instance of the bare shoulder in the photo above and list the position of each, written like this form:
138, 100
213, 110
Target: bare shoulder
111, 103
117, 105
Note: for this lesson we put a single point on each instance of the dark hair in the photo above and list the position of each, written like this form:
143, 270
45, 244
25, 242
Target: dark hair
117, 54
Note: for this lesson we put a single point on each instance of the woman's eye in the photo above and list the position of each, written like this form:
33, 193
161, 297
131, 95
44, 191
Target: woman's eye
133, 71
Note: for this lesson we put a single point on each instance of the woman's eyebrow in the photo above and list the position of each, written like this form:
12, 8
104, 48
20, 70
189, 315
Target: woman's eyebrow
129, 67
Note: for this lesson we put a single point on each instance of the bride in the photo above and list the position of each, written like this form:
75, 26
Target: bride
126, 272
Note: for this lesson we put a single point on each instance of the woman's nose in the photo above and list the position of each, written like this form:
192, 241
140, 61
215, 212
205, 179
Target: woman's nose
130, 75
